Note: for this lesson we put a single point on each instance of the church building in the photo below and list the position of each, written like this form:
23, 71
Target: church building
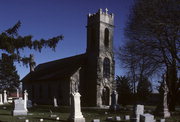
91, 73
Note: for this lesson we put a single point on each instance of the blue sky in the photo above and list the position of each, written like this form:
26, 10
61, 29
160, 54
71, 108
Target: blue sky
48, 18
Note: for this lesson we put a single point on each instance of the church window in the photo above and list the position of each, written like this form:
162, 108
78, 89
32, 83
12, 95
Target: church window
106, 37
106, 68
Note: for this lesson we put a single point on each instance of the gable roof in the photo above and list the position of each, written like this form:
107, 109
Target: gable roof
56, 69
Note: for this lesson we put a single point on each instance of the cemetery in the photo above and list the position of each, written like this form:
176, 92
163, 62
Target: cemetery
20, 111
85, 87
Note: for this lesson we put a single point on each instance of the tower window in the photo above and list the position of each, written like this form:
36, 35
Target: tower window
106, 37
106, 68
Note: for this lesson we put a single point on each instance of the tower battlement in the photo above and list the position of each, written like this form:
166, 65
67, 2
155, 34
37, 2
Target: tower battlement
102, 16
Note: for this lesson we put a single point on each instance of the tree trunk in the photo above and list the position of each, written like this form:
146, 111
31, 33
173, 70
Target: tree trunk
172, 85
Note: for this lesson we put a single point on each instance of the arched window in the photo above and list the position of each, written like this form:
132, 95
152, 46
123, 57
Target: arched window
106, 37
106, 68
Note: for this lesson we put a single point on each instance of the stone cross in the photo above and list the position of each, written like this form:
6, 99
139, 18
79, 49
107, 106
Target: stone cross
1, 99
76, 114
17, 91
106, 10
5, 97
25, 99
55, 102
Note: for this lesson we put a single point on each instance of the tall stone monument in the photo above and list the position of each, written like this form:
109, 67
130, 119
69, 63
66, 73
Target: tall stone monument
25, 99
162, 108
114, 98
5, 97
76, 114
1, 99
17, 93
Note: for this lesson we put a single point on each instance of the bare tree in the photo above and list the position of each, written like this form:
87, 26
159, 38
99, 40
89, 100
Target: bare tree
154, 30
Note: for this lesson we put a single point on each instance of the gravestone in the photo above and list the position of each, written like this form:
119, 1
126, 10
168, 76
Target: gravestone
127, 117
162, 120
19, 108
1, 99
95, 120
5, 97
76, 114
117, 118
146, 118
55, 102
114, 98
109, 118
138, 110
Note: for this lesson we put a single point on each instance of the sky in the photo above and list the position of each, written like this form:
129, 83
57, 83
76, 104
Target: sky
49, 18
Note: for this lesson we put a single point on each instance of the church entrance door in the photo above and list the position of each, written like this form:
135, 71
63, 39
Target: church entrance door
105, 96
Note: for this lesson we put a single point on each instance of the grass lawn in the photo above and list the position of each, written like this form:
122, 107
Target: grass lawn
38, 112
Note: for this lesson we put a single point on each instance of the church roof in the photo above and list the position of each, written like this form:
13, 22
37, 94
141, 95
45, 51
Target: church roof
56, 69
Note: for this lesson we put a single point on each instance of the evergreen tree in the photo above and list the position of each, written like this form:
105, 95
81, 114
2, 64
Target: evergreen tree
11, 45
124, 90
144, 89
9, 79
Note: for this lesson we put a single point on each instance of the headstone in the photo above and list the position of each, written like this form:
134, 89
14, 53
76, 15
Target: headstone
26, 120
57, 118
127, 117
95, 120
41, 120
25, 99
19, 108
117, 118
1, 99
76, 114
138, 110
53, 115
55, 102
146, 118
5, 97
114, 98
109, 118
162, 120
162, 108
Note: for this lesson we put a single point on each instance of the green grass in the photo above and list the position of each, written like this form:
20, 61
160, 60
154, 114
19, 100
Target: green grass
39, 112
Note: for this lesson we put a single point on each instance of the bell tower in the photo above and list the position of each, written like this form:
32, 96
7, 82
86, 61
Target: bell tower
100, 58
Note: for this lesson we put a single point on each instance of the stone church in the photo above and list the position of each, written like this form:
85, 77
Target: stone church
91, 73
